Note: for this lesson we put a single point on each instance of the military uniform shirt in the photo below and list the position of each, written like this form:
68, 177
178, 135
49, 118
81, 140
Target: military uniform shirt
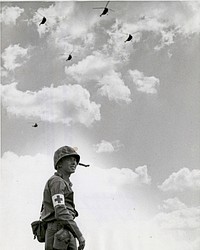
58, 203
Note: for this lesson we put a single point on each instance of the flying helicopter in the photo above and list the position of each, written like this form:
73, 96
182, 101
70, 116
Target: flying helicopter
69, 56
129, 38
44, 19
34, 124
105, 9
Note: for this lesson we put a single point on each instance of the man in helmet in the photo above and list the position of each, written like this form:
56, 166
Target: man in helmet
58, 208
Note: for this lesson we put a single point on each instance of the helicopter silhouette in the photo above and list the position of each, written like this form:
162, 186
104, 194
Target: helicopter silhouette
35, 125
105, 9
44, 19
129, 38
69, 56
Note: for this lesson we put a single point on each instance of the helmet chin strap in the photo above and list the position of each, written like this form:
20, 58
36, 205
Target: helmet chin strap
84, 165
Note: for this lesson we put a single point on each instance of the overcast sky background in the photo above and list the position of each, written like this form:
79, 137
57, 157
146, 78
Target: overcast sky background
131, 108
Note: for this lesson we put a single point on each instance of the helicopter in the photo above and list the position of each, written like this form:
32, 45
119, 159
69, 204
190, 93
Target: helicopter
69, 57
34, 124
44, 19
105, 9
129, 38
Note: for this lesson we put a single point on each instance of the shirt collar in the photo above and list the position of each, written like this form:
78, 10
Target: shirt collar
68, 181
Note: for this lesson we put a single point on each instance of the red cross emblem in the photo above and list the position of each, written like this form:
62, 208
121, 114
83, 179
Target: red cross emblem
58, 199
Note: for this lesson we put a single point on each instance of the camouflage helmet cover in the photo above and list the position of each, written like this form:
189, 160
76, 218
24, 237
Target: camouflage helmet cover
63, 152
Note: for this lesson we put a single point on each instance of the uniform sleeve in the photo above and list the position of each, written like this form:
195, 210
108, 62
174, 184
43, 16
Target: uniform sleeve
61, 212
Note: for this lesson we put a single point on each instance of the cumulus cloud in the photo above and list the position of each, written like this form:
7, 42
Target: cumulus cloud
66, 104
187, 21
184, 22
118, 33
104, 147
183, 217
64, 28
113, 87
93, 67
3, 72
101, 68
172, 204
107, 147
54, 14
184, 179
155, 20
14, 56
143, 83
143, 174
18, 178
109, 182
9, 15
167, 38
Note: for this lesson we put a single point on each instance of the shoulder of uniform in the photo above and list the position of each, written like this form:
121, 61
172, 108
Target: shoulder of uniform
56, 178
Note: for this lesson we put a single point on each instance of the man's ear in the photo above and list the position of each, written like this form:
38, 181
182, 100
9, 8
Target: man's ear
59, 165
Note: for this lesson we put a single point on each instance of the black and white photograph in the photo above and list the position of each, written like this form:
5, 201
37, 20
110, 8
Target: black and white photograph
100, 125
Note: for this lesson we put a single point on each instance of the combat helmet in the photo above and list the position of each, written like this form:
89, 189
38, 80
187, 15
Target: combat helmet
65, 151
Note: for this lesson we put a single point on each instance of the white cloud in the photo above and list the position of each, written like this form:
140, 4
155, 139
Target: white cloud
3, 72
172, 204
186, 218
66, 104
143, 83
9, 15
116, 45
143, 174
114, 88
14, 56
110, 183
93, 67
184, 20
22, 181
187, 21
54, 14
101, 68
107, 147
182, 180
167, 38
104, 147
65, 30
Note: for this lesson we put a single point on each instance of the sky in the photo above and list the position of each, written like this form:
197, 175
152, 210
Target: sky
132, 108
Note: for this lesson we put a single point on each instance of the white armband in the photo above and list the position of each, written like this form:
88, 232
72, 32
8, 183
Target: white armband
58, 199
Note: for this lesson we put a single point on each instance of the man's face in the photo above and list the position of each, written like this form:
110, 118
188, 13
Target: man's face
69, 164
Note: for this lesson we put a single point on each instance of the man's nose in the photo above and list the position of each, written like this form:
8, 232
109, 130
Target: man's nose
73, 160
